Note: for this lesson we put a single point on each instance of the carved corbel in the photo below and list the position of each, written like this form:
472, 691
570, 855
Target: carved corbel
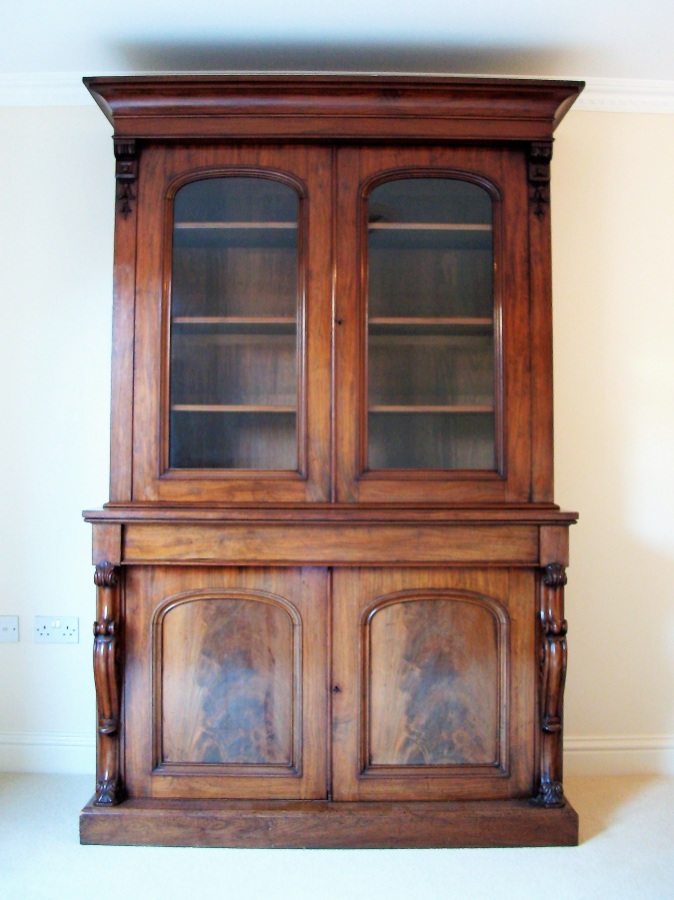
540, 155
126, 173
552, 678
109, 788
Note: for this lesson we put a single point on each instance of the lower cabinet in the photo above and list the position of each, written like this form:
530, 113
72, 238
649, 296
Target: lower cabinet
313, 683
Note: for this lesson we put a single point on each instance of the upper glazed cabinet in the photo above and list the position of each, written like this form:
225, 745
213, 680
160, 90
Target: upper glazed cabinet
322, 320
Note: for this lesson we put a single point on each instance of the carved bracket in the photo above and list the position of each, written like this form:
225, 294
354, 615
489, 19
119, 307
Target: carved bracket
552, 678
126, 174
540, 154
109, 788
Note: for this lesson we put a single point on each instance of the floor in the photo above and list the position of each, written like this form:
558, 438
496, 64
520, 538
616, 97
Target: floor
626, 850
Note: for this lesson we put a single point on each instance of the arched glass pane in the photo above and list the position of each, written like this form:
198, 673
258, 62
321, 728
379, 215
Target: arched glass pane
431, 348
234, 314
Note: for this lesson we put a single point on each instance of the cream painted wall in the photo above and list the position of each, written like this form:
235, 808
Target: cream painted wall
57, 194
613, 243
613, 213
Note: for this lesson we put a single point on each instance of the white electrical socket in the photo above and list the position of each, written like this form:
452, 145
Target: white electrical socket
9, 629
57, 629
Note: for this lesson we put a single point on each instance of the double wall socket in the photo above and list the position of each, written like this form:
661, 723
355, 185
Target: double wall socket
57, 629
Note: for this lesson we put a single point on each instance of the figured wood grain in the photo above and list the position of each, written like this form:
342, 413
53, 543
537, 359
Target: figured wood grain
228, 684
433, 669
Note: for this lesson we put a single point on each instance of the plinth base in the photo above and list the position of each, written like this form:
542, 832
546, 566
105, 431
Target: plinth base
320, 824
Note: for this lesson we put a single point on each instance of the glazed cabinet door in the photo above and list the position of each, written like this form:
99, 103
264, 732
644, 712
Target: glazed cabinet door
226, 689
232, 324
432, 366
433, 684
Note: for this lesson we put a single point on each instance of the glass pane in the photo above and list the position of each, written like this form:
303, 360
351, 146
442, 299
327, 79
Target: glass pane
234, 314
431, 350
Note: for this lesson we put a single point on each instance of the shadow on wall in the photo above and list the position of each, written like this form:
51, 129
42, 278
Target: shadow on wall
325, 56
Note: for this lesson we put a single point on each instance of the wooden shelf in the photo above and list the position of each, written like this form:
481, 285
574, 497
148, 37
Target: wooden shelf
407, 326
461, 409
236, 226
427, 226
231, 408
234, 320
431, 320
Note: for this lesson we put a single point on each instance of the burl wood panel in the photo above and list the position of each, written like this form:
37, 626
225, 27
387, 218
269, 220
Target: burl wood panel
227, 686
433, 684
434, 680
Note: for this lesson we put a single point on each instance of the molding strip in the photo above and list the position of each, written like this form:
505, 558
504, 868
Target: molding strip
619, 755
619, 743
624, 95
619, 95
43, 89
47, 739
64, 753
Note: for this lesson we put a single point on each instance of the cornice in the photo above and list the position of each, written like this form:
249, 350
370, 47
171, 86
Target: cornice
617, 95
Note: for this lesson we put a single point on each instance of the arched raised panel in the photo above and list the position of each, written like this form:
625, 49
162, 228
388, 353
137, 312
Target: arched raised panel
227, 685
435, 675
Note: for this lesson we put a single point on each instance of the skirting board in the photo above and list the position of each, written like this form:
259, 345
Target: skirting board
73, 753
57, 753
619, 755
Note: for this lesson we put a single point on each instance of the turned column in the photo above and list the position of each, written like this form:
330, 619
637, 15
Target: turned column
109, 788
552, 678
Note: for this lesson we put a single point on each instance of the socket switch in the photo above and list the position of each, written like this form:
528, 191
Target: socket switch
9, 629
57, 629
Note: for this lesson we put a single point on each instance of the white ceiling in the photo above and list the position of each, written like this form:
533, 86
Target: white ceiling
619, 39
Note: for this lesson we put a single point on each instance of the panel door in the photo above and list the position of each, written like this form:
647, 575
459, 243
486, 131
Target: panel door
432, 365
232, 323
433, 685
226, 690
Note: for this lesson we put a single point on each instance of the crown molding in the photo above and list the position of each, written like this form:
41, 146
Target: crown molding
627, 95
619, 95
43, 89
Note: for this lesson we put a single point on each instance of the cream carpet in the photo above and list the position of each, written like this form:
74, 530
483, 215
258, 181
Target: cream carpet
627, 850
